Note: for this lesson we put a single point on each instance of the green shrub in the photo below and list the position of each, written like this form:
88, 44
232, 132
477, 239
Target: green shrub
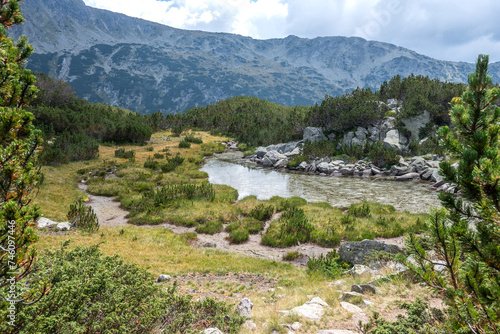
184, 144
238, 235
213, 147
292, 256
149, 149
193, 139
419, 319
92, 293
172, 163
69, 147
83, 217
262, 212
289, 230
151, 163
296, 160
209, 227
252, 225
121, 153
177, 130
329, 265
242, 147
362, 211
159, 156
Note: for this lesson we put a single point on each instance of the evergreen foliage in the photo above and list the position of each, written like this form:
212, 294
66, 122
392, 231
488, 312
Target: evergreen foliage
92, 293
20, 174
83, 217
419, 93
248, 119
465, 236
342, 113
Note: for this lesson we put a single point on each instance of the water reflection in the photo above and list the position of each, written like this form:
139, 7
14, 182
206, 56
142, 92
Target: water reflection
338, 191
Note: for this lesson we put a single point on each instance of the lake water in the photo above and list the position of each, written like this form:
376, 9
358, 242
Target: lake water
265, 183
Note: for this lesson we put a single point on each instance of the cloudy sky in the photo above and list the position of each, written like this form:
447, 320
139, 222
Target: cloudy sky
444, 29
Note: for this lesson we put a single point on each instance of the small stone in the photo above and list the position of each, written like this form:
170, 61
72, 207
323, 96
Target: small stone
350, 307
346, 296
250, 325
163, 278
212, 331
363, 288
64, 226
209, 245
245, 308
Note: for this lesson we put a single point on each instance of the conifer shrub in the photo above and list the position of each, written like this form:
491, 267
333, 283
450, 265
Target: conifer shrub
184, 144
122, 153
92, 293
192, 139
238, 235
329, 265
292, 228
172, 163
262, 212
151, 163
83, 217
210, 227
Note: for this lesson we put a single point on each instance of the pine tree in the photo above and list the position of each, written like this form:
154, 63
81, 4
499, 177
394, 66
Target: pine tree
463, 264
19, 173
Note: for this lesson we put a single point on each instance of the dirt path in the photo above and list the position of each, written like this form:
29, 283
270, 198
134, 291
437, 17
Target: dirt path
110, 213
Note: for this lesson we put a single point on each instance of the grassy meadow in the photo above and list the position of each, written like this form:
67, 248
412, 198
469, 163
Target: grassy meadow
175, 191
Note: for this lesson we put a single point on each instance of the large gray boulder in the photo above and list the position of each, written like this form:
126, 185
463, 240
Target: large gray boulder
274, 156
358, 252
313, 134
391, 140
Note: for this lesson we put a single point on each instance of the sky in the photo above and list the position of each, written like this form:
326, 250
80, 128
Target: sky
456, 30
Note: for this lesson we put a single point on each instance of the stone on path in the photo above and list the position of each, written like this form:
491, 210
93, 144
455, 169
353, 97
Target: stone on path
163, 278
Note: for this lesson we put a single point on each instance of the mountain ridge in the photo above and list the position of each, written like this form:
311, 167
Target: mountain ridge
145, 66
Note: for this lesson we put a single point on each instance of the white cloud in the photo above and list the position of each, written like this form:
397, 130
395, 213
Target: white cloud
445, 29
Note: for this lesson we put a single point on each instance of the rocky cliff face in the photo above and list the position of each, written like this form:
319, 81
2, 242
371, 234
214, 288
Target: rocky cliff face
128, 62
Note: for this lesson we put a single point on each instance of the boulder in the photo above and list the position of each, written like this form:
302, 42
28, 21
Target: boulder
45, 222
361, 270
260, 152
274, 156
163, 278
407, 177
325, 167
65, 226
312, 310
358, 252
245, 308
351, 308
413, 124
392, 140
364, 288
313, 134
347, 296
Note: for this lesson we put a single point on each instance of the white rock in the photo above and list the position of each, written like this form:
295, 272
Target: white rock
350, 307
163, 278
45, 222
245, 308
313, 309
64, 226
212, 331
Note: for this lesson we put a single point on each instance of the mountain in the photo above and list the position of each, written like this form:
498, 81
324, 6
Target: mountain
145, 66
